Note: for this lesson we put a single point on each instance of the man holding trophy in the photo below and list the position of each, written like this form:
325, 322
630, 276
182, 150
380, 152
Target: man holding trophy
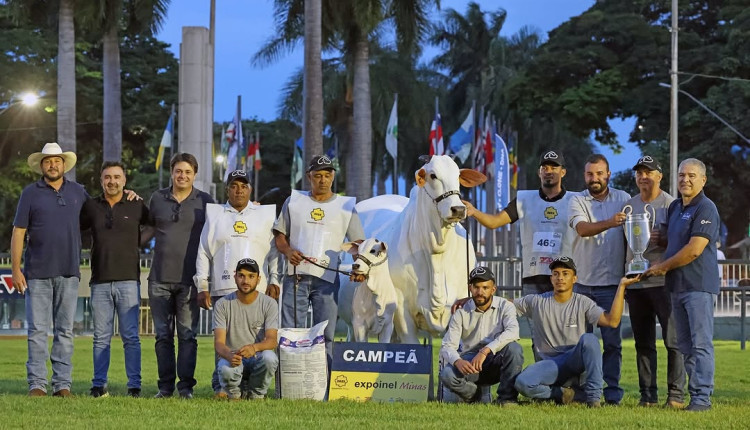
648, 300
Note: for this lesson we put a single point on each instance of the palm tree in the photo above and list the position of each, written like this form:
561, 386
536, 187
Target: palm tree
109, 17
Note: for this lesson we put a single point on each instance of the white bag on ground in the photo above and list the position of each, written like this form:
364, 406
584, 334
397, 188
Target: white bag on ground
303, 363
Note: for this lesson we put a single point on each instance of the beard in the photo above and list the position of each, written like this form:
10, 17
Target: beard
52, 174
596, 187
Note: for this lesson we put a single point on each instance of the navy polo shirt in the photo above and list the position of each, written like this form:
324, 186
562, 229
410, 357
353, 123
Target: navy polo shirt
53, 233
699, 218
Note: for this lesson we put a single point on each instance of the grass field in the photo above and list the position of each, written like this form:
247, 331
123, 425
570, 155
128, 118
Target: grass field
731, 402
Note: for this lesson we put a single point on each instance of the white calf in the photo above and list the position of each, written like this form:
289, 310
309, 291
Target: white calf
374, 301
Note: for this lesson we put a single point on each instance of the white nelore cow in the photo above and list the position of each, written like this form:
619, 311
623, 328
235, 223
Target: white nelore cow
427, 254
369, 305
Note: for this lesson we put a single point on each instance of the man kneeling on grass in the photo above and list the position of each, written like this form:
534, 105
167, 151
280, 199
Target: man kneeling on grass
559, 319
486, 329
245, 327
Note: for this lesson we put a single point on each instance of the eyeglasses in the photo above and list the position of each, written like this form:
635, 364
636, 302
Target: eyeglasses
176, 212
60, 199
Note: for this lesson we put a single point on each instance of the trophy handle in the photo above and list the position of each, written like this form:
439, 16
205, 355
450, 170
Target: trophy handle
627, 210
650, 214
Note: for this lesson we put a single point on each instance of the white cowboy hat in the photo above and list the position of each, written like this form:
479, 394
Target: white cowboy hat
51, 150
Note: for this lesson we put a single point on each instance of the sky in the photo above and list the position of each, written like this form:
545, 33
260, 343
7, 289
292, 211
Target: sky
243, 26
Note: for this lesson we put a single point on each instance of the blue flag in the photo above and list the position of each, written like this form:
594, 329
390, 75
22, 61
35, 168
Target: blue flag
461, 141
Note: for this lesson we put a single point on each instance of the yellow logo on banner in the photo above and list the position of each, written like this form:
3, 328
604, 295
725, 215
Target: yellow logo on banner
317, 214
550, 212
379, 387
240, 227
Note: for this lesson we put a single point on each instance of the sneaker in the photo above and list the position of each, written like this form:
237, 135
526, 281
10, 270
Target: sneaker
221, 396
693, 407
674, 404
567, 395
594, 404
98, 392
37, 392
507, 403
62, 393
186, 395
134, 392
645, 404
162, 395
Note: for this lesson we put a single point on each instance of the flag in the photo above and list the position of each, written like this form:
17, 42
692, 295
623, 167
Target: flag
461, 140
489, 155
436, 137
478, 151
297, 163
391, 132
513, 160
166, 142
224, 141
250, 159
256, 156
502, 170
232, 150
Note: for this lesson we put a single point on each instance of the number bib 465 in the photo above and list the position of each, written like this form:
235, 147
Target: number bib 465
547, 242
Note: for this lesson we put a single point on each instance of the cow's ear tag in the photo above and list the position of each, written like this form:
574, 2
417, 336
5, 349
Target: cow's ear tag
471, 178
420, 177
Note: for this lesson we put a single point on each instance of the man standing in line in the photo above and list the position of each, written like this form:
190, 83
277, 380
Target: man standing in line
233, 231
567, 350
486, 332
314, 224
599, 248
692, 278
115, 225
246, 324
649, 299
543, 216
177, 214
48, 213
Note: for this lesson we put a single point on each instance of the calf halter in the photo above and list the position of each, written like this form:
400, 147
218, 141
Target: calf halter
369, 263
443, 196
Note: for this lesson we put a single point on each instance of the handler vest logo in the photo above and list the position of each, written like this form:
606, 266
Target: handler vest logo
240, 227
550, 212
317, 214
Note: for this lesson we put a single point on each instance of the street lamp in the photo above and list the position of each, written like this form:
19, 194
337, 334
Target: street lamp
220, 162
26, 99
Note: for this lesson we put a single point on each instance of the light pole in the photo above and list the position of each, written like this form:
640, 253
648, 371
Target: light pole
26, 99
220, 162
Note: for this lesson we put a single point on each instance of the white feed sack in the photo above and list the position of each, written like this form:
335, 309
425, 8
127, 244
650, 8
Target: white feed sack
302, 362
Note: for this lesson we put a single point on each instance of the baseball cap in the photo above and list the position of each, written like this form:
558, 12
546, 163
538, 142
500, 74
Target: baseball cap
648, 162
565, 262
238, 175
248, 264
320, 162
553, 157
481, 274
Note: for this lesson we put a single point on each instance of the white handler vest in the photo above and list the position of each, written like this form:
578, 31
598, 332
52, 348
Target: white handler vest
317, 230
545, 233
233, 236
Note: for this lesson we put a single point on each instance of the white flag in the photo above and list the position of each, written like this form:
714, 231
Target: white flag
391, 133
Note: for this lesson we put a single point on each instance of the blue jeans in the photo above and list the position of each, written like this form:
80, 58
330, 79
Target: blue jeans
51, 302
253, 375
611, 338
123, 297
502, 368
175, 305
324, 299
543, 379
693, 314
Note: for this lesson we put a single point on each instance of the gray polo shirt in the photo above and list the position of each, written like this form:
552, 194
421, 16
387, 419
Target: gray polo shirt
600, 258
177, 232
472, 330
654, 253
557, 327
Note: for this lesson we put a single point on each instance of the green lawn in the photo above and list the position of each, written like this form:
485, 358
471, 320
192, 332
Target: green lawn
731, 402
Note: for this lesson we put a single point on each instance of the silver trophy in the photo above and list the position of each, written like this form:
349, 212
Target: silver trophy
638, 233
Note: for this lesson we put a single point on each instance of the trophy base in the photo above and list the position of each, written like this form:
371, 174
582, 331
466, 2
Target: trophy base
635, 268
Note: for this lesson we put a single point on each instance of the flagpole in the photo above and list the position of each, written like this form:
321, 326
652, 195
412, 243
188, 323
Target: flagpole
257, 171
395, 159
435, 138
238, 134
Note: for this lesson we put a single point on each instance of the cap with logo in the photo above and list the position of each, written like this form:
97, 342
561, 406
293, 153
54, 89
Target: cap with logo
238, 175
248, 264
565, 262
552, 157
481, 274
320, 162
648, 162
